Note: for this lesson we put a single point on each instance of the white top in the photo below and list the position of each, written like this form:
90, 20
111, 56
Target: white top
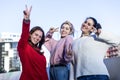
89, 55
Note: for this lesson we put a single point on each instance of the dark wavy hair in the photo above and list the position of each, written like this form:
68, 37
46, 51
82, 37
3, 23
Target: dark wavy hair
41, 42
96, 24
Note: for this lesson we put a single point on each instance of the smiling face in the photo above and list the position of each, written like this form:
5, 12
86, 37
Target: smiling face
36, 36
65, 30
87, 27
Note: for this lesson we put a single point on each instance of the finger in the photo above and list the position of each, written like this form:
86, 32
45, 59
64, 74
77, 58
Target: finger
30, 9
94, 29
70, 48
56, 29
26, 7
24, 12
52, 28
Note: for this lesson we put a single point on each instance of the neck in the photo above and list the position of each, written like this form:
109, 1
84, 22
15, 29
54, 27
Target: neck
85, 34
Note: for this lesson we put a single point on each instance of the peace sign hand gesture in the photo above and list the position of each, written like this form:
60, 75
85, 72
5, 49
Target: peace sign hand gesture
52, 29
27, 13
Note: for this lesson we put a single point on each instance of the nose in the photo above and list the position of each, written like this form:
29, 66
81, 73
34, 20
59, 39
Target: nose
63, 29
38, 38
83, 25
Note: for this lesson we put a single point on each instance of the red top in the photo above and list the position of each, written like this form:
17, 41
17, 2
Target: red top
33, 63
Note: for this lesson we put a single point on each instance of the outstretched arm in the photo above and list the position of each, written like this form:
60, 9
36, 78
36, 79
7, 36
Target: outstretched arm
25, 30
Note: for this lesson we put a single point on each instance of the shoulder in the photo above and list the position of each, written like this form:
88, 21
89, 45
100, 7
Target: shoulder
75, 45
76, 41
69, 37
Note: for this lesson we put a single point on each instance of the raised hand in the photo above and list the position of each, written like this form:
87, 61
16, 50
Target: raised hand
113, 51
52, 29
27, 12
97, 31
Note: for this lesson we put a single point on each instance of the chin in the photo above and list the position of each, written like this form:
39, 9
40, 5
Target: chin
63, 36
34, 43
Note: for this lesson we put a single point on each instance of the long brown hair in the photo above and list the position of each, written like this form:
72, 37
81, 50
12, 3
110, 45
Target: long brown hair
41, 42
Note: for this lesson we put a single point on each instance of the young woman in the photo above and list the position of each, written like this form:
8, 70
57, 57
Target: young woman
29, 49
60, 51
89, 52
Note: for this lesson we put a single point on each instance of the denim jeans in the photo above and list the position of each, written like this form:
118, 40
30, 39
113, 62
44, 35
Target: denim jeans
94, 77
59, 73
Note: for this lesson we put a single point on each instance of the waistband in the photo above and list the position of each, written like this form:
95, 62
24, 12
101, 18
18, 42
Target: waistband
94, 76
58, 65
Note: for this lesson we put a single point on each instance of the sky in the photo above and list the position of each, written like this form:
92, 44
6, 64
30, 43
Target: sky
52, 13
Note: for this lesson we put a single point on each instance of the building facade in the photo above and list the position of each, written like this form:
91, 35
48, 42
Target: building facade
9, 60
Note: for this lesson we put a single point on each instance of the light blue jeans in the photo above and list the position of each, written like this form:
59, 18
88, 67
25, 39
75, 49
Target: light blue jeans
59, 73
